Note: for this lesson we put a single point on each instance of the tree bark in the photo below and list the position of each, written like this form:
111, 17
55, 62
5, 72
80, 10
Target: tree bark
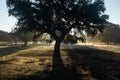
57, 60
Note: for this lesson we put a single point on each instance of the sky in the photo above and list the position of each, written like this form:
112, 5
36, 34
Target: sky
8, 22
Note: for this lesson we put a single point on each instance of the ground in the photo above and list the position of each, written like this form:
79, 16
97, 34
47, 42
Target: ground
82, 62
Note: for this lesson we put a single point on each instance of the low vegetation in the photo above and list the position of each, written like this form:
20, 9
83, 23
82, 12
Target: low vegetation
89, 63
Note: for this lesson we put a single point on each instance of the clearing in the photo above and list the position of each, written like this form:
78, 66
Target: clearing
88, 62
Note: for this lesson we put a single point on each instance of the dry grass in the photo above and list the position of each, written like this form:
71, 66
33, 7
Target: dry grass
114, 48
30, 64
24, 63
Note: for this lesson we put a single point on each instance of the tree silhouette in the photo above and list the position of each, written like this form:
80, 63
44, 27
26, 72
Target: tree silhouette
22, 35
58, 17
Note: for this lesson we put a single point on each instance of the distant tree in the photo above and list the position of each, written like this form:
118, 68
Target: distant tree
74, 36
36, 39
15, 38
110, 35
70, 39
23, 36
58, 17
26, 37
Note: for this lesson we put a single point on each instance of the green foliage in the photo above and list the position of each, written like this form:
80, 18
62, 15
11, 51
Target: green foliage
21, 35
26, 37
58, 17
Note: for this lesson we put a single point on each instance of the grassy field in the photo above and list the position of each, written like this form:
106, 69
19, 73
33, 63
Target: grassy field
93, 62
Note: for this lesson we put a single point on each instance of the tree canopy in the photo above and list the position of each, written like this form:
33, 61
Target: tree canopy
58, 17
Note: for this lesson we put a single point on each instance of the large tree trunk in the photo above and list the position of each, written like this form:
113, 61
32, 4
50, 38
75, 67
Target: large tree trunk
59, 72
57, 60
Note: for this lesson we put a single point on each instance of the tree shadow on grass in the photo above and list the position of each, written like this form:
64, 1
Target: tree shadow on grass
81, 64
99, 64
10, 50
59, 71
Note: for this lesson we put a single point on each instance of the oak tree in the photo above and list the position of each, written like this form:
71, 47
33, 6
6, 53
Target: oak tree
58, 17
